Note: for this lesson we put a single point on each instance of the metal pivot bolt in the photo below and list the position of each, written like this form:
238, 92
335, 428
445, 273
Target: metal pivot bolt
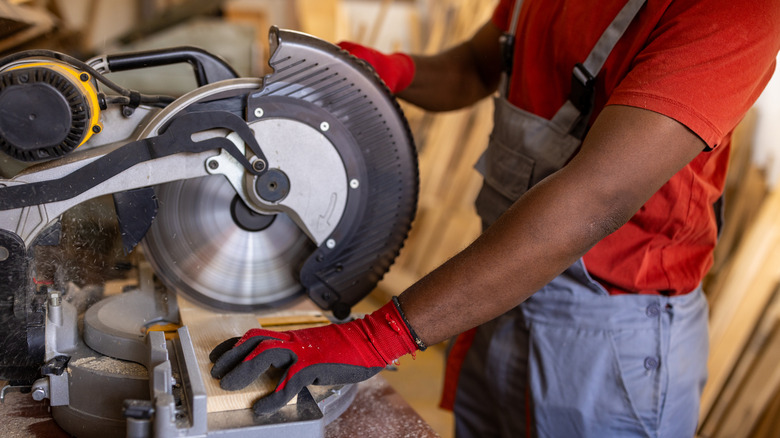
324, 126
213, 164
40, 389
258, 165
258, 112
330, 243
273, 186
354, 183
55, 308
38, 394
4, 254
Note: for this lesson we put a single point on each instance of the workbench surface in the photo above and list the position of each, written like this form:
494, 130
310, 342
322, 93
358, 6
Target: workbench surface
378, 411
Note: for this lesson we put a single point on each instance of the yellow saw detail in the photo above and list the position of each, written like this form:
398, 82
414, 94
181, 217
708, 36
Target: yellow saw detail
83, 83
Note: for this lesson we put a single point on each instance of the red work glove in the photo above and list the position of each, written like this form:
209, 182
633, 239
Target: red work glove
396, 70
329, 355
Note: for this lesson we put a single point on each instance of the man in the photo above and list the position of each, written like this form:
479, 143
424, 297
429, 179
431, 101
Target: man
606, 162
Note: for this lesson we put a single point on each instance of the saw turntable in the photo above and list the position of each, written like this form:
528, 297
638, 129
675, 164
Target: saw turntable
245, 195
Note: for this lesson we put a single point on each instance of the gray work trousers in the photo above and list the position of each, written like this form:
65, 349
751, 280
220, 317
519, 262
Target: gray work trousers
573, 361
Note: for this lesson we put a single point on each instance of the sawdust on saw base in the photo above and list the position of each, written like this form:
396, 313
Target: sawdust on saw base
110, 365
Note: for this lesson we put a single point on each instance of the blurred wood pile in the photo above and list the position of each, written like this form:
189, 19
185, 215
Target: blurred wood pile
84, 28
449, 145
742, 396
21, 22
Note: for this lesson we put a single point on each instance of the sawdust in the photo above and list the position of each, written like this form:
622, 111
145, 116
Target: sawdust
22, 417
112, 366
380, 416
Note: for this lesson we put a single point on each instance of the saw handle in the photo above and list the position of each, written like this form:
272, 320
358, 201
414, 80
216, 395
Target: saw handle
207, 67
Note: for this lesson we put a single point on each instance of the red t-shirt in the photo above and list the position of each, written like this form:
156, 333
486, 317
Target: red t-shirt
700, 62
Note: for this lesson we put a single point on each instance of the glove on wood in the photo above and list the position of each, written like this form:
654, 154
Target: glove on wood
328, 355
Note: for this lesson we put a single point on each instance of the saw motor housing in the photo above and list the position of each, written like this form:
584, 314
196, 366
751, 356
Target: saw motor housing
47, 109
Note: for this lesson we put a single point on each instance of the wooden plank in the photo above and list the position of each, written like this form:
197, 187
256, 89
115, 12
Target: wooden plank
743, 369
746, 291
759, 241
770, 420
283, 320
207, 330
320, 18
742, 205
254, 15
22, 24
756, 392
725, 353
379, 20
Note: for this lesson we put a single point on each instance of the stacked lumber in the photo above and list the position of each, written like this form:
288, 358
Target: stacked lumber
449, 144
322, 18
742, 396
21, 23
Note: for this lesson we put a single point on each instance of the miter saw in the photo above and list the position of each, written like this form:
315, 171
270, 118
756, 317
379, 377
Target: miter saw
245, 194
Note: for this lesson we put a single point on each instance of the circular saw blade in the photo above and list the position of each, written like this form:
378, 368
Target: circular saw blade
196, 248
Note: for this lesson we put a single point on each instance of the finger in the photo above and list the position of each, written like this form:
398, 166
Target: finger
276, 400
222, 348
293, 381
230, 358
340, 374
246, 372
320, 374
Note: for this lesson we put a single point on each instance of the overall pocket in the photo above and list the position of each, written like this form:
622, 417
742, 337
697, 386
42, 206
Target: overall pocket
523, 149
592, 382
507, 171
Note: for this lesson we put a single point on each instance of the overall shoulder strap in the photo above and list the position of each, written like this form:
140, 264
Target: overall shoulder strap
573, 114
508, 50
584, 73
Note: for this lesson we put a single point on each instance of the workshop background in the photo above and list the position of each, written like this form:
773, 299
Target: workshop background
742, 397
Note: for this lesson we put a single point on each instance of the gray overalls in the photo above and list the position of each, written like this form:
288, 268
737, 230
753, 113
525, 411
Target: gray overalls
572, 360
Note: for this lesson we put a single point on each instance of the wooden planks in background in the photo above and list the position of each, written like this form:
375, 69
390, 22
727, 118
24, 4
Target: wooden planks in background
741, 395
20, 23
449, 145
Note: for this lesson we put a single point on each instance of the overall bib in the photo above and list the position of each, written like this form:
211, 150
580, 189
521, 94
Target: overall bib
573, 360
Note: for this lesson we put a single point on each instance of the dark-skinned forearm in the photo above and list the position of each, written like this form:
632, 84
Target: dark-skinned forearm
532, 243
457, 77
628, 155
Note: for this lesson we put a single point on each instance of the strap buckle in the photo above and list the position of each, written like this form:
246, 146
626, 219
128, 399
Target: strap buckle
507, 42
582, 89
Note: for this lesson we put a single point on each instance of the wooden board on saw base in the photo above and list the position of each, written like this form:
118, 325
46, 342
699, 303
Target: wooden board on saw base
208, 328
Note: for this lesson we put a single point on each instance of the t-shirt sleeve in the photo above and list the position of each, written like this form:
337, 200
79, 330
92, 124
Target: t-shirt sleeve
705, 64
